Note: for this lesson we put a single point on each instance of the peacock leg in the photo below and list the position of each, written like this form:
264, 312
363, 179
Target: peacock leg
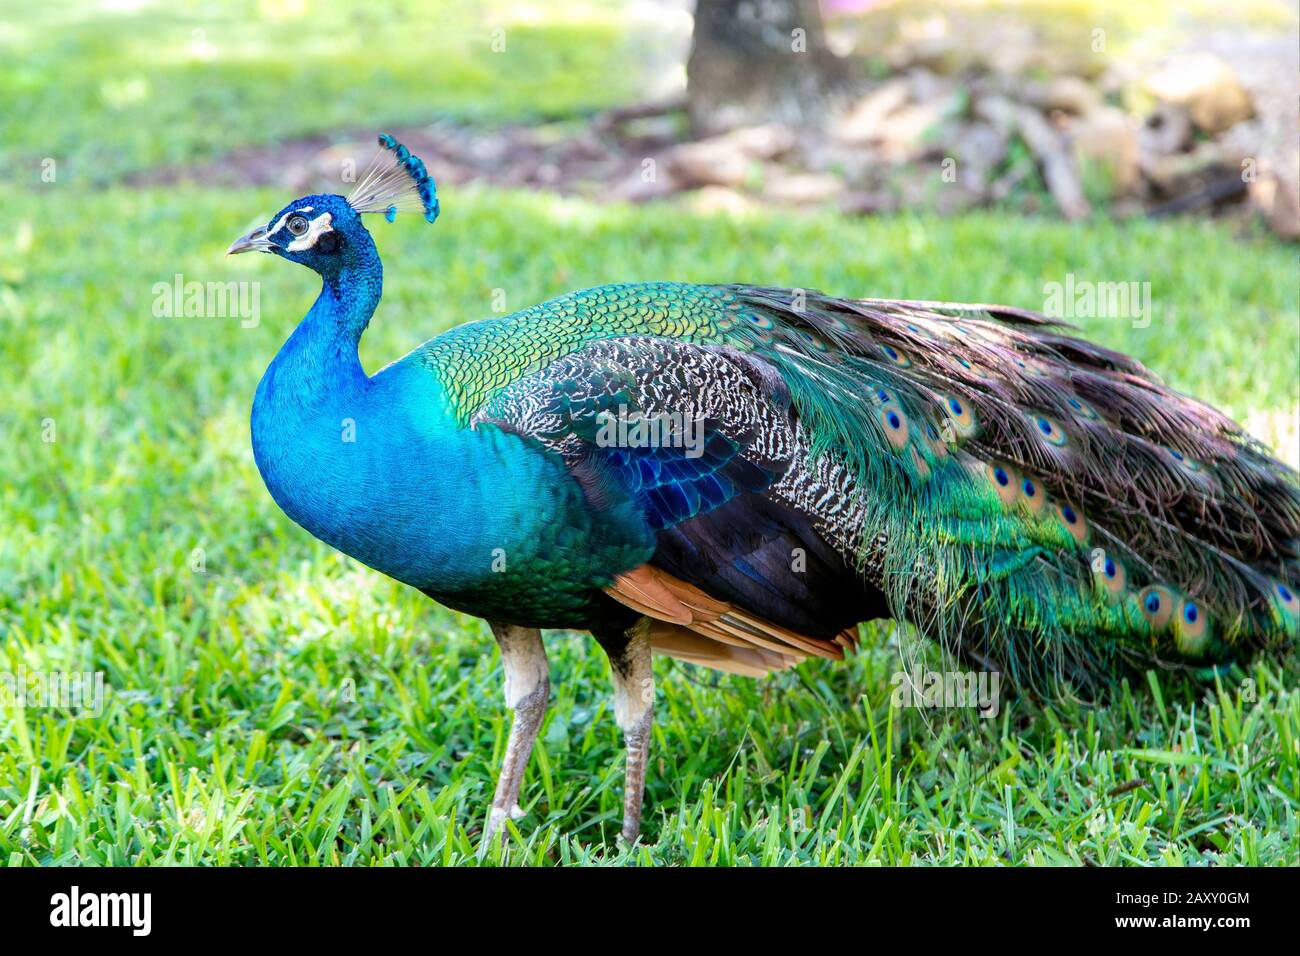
527, 687
634, 697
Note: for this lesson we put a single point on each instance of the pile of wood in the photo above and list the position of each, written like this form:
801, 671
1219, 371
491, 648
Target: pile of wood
1190, 138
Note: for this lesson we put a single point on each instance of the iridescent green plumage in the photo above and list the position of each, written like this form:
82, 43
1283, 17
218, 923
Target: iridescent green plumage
475, 361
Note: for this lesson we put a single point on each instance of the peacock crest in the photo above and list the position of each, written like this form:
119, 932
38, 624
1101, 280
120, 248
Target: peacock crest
395, 180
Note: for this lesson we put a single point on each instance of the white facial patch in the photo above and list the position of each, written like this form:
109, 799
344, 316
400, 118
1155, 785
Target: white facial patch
317, 228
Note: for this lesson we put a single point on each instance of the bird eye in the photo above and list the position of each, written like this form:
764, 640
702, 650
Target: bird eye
297, 225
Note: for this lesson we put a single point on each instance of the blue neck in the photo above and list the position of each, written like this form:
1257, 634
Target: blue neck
320, 358
314, 383
379, 468
374, 467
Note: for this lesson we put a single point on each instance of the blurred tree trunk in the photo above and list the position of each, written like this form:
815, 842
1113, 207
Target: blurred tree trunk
755, 61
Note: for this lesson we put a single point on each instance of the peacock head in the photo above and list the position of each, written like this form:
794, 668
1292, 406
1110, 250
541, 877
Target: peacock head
325, 232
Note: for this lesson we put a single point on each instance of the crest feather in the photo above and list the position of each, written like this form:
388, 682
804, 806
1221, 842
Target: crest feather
395, 180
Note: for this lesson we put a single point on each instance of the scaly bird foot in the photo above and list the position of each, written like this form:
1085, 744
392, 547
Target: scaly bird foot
634, 696
527, 689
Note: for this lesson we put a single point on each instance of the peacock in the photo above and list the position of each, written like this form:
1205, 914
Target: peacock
737, 476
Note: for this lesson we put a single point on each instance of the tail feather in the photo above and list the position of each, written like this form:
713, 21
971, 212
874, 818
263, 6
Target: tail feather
1048, 500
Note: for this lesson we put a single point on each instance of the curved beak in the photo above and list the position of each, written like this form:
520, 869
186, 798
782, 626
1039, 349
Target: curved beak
254, 241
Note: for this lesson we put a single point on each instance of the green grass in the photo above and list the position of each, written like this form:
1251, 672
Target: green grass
106, 89
285, 705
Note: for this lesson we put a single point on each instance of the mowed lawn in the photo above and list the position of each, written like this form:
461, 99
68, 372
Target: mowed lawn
272, 702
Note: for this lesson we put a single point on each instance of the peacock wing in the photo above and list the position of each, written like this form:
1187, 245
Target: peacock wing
704, 440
